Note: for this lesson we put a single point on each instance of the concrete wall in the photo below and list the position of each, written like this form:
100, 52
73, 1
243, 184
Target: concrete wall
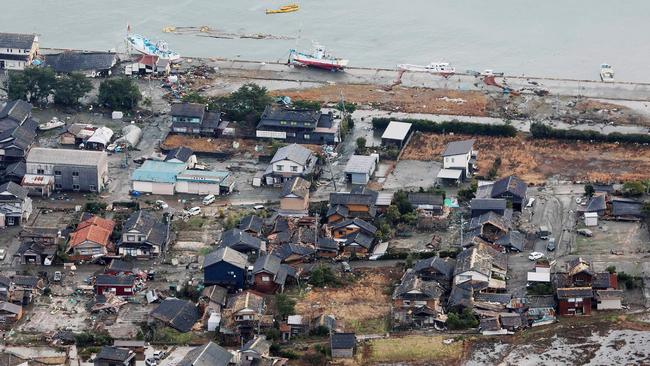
342, 353
614, 304
154, 187
197, 188
359, 178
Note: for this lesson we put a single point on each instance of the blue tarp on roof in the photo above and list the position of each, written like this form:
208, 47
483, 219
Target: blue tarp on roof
158, 171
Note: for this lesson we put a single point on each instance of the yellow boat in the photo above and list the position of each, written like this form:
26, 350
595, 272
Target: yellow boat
284, 9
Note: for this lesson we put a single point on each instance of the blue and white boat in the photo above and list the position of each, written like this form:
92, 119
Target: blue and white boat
147, 47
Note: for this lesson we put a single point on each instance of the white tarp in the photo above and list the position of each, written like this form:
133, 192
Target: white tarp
102, 135
131, 135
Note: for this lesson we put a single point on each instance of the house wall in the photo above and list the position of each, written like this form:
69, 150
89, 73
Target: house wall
263, 282
334, 218
345, 231
286, 167
613, 304
117, 289
580, 306
457, 161
197, 188
154, 187
85, 178
224, 274
469, 275
89, 248
326, 254
342, 353
295, 204
359, 178
581, 279
28, 55
355, 249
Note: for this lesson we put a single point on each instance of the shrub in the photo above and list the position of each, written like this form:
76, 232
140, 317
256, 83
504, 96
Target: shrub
119, 94
320, 331
306, 104
464, 320
284, 305
611, 269
70, 88
454, 126
540, 131
323, 276
94, 207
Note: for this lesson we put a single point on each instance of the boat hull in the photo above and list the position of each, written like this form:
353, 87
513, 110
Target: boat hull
145, 47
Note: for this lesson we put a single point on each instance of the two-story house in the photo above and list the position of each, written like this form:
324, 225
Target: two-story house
417, 302
458, 161
225, 267
359, 202
65, 170
290, 161
114, 356
243, 315
15, 206
92, 237
144, 235
298, 125
194, 119
482, 263
17, 51
512, 189
294, 199
270, 275
17, 133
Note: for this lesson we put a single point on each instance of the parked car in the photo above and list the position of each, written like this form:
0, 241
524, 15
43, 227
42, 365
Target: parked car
586, 232
159, 355
3, 254
208, 199
57, 276
550, 246
346, 267
162, 204
531, 202
535, 256
151, 362
194, 211
543, 232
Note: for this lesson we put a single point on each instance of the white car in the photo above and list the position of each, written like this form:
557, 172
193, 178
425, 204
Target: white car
151, 362
194, 211
3, 254
162, 204
535, 256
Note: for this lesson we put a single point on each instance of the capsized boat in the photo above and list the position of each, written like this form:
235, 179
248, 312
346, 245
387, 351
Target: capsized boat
318, 58
147, 47
443, 68
606, 73
52, 124
284, 9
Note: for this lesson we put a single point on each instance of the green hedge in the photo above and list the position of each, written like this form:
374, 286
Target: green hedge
454, 126
541, 131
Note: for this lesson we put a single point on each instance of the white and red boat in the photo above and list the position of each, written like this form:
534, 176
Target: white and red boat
318, 58
442, 68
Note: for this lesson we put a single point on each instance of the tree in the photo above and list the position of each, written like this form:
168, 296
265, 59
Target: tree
284, 305
70, 88
323, 276
589, 190
194, 97
119, 94
400, 199
347, 107
611, 269
634, 188
306, 104
34, 84
245, 104
361, 143
392, 214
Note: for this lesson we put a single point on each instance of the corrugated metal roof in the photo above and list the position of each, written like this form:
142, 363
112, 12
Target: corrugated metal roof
396, 131
158, 171
65, 156
361, 164
449, 173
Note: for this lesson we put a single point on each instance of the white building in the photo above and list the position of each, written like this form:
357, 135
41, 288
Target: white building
395, 133
290, 161
459, 159
17, 50
360, 168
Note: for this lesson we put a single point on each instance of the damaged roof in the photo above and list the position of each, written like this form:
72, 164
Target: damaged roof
240, 240
178, 314
443, 266
511, 185
296, 186
210, 354
412, 284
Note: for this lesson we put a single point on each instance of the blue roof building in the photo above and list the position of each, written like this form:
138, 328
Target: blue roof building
157, 177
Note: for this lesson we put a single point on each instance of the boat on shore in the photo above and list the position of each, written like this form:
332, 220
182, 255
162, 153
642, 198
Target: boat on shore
284, 9
147, 47
52, 124
606, 73
318, 58
442, 68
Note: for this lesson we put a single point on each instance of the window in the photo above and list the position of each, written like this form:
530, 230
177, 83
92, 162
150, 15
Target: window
294, 168
58, 186
40, 171
91, 187
75, 187
294, 123
279, 167
283, 123
75, 174
266, 278
130, 237
307, 136
452, 160
57, 172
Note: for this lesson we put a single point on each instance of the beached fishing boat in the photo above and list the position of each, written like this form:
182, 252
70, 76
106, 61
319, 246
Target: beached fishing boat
284, 9
318, 58
606, 73
147, 47
52, 124
443, 68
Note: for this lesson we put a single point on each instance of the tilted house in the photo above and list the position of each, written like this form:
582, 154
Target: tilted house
256, 351
251, 224
144, 235
436, 269
182, 154
417, 303
294, 198
512, 189
481, 263
115, 356
225, 267
243, 315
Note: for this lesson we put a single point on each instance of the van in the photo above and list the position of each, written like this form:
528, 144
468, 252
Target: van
543, 232
208, 199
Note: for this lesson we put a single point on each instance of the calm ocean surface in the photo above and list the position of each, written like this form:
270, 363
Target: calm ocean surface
555, 38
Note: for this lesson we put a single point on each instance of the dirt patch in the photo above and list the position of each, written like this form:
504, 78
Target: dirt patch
416, 349
413, 100
360, 306
535, 160
212, 145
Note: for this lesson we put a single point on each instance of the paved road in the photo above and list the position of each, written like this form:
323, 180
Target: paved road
586, 88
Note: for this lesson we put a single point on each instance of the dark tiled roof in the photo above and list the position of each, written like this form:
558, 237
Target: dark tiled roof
81, 61
258, 345
512, 320
25, 281
277, 116
490, 324
462, 295
146, 223
16, 110
227, 255
609, 294
338, 209
118, 265
511, 184
195, 110
513, 239
15, 191
622, 207
411, 282
417, 199
540, 301
493, 297
178, 314
327, 244
106, 280
15, 40
352, 199
458, 147
210, 354
570, 292
343, 340
114, 354
596, 203
601, 280
490, 217
294, 152
364, 225
288, 249
361, 239
267, 263
497, 204
251, 223
237, 239
16, 169
215, 293
181, 153
440, 265
296, 186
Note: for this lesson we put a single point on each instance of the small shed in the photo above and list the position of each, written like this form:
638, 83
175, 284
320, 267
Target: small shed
342, 345
360, 168
396, 133
591, 218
